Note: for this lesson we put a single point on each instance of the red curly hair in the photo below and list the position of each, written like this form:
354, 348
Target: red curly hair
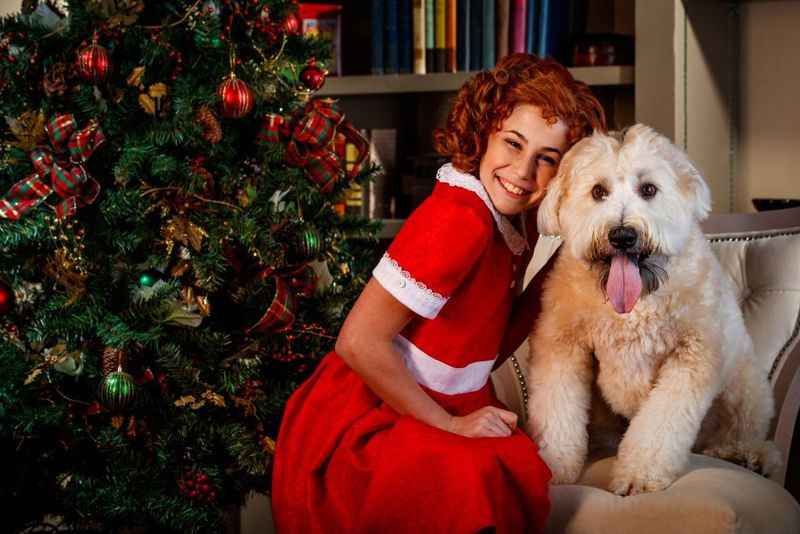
489, 97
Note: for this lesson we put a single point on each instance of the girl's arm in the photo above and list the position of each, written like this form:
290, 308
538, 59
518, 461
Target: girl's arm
365, 344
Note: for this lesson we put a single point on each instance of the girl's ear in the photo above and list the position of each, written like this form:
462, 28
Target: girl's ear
547, 216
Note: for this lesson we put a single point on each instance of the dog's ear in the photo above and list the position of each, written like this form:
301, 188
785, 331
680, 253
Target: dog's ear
547, 216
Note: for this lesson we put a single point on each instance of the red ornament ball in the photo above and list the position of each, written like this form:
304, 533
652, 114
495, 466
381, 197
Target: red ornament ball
312, 77
236, 97
6, 298
95, 64
292, 23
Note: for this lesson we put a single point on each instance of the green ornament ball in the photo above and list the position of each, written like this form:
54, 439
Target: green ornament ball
305, 244
117, 391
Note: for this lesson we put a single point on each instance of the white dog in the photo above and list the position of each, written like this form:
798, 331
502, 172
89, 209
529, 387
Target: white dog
638, 312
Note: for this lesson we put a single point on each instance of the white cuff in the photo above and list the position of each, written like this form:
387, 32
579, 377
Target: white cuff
415, 295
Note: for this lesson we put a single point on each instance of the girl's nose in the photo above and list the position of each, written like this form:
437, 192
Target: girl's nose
525, 168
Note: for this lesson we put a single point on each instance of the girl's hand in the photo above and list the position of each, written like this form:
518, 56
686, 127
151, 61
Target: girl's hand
486, 422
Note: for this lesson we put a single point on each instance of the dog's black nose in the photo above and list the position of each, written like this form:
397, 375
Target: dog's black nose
622, 238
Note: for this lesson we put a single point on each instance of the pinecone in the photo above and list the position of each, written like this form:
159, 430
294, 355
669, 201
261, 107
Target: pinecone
212, 129
113, 358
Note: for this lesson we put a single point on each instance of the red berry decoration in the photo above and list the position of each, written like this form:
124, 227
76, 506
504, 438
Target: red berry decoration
95, 64
194, 484
312, 76
236, 96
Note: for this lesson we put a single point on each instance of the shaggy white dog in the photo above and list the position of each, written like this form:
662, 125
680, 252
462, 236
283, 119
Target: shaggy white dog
639, 317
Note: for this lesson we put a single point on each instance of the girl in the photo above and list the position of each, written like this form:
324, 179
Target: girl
399, 429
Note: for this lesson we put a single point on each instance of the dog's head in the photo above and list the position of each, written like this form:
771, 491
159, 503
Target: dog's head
625, 203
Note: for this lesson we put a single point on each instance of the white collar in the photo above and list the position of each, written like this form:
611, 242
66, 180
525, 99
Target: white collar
516, 242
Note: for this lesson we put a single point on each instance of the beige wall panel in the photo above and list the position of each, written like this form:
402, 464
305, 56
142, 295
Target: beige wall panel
770, 101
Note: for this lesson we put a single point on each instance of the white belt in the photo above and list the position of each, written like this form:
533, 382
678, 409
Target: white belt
439, 376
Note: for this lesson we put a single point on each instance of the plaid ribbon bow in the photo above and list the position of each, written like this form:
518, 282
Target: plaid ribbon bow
63, 166
317, 138
280, 313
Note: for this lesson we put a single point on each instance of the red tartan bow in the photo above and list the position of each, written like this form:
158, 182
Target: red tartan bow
280, 313
317, 139
63, 166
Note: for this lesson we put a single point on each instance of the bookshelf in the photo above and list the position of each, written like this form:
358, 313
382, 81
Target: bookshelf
373, 84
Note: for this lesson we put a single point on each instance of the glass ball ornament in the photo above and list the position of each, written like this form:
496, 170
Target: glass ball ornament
7, 298
312, 76
95, 64
305, 244
292, 23
236, 98
117, 391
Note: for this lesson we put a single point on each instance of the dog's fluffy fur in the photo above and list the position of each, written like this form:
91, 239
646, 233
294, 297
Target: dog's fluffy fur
668, 350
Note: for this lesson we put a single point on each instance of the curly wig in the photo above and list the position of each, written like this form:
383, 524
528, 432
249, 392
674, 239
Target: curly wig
489, 97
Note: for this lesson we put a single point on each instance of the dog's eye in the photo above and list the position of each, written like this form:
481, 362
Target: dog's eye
648, 190
599, 192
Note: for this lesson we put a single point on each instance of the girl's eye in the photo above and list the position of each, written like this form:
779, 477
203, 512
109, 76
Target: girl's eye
648, 191
513, 143
548, 159
599, 192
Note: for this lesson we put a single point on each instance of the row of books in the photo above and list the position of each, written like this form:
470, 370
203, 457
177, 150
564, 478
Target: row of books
423, 36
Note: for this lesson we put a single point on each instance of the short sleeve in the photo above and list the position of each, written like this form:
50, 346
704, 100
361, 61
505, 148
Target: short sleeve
433, 253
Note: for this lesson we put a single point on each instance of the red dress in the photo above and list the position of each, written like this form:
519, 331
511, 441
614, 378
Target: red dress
347, 462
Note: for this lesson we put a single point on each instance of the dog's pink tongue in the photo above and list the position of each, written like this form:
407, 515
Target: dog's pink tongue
624, 283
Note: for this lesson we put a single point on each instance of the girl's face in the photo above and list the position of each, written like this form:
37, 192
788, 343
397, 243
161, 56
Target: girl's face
521, 159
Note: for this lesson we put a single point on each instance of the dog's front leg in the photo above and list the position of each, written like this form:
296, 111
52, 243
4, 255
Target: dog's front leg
656, 446
559, 381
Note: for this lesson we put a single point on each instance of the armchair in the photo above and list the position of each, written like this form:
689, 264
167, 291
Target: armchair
761, 254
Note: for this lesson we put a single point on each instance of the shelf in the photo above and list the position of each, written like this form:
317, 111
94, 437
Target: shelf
451, 81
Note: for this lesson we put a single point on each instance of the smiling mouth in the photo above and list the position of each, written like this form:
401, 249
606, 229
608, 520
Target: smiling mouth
511, 188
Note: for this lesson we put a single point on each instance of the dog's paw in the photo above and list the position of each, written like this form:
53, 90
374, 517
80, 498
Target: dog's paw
565, 469
757, 455
630, 481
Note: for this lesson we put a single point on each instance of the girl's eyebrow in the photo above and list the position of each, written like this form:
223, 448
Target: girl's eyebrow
545, 149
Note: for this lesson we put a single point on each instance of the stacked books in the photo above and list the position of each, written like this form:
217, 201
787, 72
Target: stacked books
423, 36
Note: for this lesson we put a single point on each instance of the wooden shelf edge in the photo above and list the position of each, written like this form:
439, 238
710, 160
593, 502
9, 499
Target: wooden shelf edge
378, 84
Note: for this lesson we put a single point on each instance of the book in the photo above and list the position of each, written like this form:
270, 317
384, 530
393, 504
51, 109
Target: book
324, 22
475, 34
502, 9
450, 36
429, 35
391, 54
518, 22
418, 33
488, 35
553, 29
378, 199
462, 35
531, 11
439, 37
404, 44
377, 36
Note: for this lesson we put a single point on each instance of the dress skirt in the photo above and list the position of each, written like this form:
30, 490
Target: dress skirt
347, 462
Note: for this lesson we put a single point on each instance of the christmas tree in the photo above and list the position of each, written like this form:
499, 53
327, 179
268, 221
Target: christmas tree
174, 257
